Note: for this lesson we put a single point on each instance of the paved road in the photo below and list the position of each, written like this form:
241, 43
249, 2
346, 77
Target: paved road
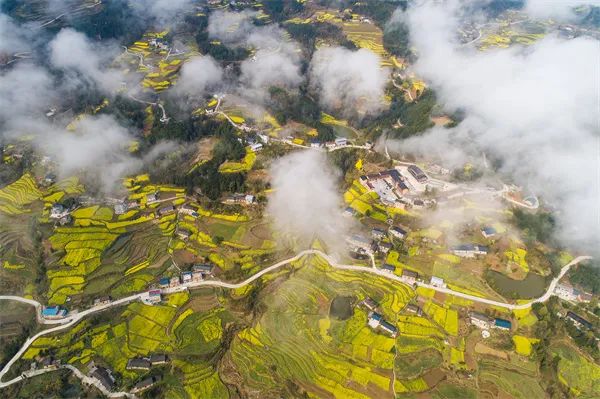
76, 317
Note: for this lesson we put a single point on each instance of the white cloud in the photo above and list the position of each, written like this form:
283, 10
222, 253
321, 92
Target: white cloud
305, 203
348, 81
73, 51
536, 108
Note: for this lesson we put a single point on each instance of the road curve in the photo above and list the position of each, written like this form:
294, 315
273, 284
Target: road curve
76, 317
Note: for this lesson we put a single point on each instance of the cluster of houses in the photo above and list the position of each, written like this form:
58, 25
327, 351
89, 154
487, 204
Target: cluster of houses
363, 245
198, 273
569, 293
398, 190
376, 320
485, 322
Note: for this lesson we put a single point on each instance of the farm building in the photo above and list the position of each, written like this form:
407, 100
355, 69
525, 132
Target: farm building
138, 363
146, 383
469, 250
488, 232
480, 320
376, 321
409, 277
53, 312
502, 324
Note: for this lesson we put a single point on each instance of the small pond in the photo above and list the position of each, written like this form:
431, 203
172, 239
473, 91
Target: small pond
532, 286
341, 307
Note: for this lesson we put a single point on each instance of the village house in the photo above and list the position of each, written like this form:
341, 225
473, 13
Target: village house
104, 377
146, 383
386, 267
133, 204
189, 210
488, 232
349, 212
174, 282
469, 250
569, 293
103, 300
58, 211
315, 144
163, 282
182, 233
154, 297
158, 359
204, 268
151, 198
409, 277
53, 312
376, 321
398, 232
243, 199
414, 309
437, 282
196, 276
256, 147
579, 321
417, 173
369, 303
360, 242
120, 208
186, 277
330, 145
138, 363
480, 320
165, 210
378, 234
384, 247
341, 141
